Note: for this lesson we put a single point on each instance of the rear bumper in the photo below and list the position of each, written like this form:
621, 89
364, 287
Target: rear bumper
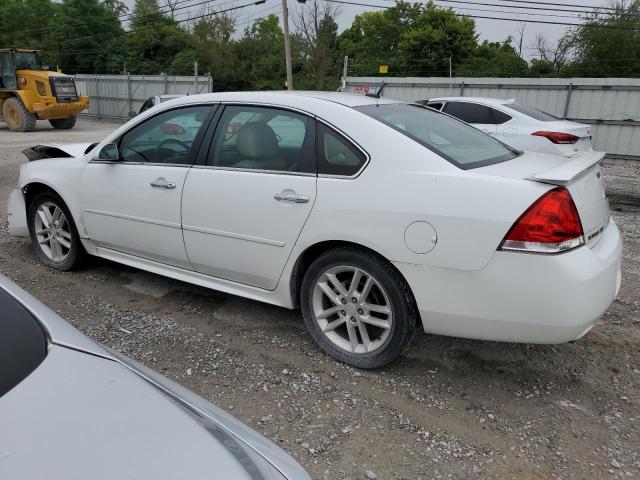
17, 214
521, 297
51, 109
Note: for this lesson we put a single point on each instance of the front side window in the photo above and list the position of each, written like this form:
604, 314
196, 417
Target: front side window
261, 138
460, 144
165, 138
336, 155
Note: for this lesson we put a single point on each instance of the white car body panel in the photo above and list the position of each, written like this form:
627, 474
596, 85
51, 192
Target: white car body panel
241, 241
122, 211
517, 132
235, 242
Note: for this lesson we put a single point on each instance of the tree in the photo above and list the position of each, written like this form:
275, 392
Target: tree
318, 33
214, 32
260, 56
494, 59
553, 58
609, 43
94, 45
155, 40
26, 23
411, 38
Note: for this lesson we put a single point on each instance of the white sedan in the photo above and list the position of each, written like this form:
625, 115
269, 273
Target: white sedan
374, 216
521, 126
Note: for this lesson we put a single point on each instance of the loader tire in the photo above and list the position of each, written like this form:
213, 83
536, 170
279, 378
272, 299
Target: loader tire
17, 117
63, 123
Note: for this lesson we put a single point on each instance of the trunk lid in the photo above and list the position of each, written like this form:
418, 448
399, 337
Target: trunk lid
580, 174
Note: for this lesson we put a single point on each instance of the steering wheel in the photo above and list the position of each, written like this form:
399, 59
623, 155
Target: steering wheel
184, 145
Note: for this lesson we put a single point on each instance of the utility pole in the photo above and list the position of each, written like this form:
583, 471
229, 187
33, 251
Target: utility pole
287, 44
345, 71
195, 78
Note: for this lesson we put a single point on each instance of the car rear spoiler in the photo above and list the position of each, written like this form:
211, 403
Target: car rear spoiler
565, 173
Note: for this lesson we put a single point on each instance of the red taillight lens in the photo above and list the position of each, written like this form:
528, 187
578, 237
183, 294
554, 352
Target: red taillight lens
557, 137
550, 225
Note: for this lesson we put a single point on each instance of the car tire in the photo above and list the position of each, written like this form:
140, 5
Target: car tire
379, 289
56, 243
17, 117
63, 123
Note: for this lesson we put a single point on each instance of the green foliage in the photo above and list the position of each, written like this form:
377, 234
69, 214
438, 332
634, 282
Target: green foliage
411, 38
609, 45
493, 59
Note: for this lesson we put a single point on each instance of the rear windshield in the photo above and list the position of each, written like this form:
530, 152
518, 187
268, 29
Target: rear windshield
531, 112
23, 344
452, 139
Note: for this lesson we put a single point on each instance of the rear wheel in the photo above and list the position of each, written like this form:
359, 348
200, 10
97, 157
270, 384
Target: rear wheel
54, 234
17, 117
63, 123
358, 308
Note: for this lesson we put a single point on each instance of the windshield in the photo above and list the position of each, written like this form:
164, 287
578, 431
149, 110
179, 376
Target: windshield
27, 61
531, 112
455, 141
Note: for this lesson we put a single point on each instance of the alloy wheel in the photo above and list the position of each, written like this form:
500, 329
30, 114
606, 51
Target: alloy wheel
352, 309
53, 231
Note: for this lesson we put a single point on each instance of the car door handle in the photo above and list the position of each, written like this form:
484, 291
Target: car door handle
291, 196
162, 183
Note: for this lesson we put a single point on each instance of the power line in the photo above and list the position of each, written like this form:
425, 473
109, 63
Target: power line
547, 22
516, 6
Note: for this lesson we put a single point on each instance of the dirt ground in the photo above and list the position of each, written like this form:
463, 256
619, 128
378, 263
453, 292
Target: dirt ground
451, 408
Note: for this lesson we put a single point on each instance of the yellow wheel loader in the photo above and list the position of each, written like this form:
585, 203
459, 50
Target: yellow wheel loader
29, 92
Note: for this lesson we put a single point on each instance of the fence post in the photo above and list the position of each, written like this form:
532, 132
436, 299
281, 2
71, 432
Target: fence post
129, 106
166, 83
462, 89
345, 68
210, 82
568, 100
97, 83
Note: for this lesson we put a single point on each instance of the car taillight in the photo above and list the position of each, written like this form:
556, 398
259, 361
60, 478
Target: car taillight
557, 137
551, 225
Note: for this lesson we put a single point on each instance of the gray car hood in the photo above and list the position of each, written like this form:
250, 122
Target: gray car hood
89, 412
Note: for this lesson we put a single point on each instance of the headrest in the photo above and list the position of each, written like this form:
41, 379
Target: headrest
257, 140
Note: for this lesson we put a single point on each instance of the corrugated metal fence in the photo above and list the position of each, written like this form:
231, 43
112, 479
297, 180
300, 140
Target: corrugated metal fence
114, 96
611, 105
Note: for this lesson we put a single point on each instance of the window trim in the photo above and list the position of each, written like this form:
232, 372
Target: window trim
215, 124
195, 147
348, 139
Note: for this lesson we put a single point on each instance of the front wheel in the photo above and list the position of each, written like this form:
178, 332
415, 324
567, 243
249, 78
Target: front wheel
53, 233
63, 123
358, 308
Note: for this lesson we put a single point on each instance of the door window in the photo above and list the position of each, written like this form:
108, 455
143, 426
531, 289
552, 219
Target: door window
474, 113
336, 155
259, 138
166, 138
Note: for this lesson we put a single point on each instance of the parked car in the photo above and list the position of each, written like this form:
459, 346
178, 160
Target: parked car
71, 408
521, 126
153, 101
373, 216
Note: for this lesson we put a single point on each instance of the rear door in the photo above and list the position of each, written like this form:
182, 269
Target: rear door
245, 203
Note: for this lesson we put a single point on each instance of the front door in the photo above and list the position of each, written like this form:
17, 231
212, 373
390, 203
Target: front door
133, 205
244, 208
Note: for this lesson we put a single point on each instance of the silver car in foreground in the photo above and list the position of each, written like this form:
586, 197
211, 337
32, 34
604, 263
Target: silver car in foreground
72, 409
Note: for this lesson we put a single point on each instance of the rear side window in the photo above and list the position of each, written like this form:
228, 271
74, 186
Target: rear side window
475, 113
453, 140
437, 106
532, 112
23, 344
336, 155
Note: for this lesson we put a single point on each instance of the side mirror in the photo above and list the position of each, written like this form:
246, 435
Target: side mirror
109, 153
132, 113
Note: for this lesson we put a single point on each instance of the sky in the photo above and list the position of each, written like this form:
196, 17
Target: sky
492, 30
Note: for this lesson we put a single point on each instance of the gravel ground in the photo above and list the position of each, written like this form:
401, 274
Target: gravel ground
451, 408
